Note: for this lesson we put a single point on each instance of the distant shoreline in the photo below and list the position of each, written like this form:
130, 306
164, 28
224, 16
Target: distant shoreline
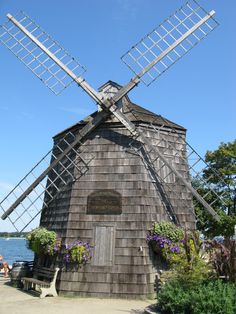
15, 235
15, 238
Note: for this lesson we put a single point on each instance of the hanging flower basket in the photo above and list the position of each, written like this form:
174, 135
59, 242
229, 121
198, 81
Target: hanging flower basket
43, 242
77, 253
156, 248
165, 239
157, 243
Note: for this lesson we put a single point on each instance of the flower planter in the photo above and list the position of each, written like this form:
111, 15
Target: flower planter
156, 248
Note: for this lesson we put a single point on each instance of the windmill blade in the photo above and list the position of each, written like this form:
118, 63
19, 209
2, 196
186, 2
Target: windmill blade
28, 198
48, 178
169, 42
31, 45
51, 63
197, 165
174, 201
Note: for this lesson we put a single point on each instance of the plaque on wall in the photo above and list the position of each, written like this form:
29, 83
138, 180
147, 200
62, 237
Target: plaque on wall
104, 202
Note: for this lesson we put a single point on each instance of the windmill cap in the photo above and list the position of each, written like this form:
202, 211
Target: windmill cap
134, 113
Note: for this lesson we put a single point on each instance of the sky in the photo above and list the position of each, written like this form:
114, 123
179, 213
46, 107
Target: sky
198, 92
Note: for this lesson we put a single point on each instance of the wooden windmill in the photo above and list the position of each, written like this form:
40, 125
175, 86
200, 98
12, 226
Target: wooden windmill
113, 173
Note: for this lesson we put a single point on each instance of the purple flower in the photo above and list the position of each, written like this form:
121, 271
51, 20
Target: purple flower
78, 251
167, 246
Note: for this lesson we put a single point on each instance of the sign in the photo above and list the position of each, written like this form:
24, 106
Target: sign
104, 202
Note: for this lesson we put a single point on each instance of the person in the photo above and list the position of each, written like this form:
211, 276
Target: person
4, 266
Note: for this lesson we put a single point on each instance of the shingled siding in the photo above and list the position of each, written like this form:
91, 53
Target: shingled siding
127, 267
55, 217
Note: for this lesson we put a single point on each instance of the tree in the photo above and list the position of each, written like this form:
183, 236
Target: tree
221, 175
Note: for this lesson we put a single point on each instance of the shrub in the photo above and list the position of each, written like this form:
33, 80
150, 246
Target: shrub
174, 298
183, 256
190, 265
209, 297
215, 297
43, 241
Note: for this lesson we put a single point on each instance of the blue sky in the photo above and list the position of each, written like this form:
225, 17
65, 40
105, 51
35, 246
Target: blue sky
198, 92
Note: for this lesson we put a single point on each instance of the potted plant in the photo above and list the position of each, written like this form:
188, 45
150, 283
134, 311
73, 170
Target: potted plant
43, 242
165, 239
77, 252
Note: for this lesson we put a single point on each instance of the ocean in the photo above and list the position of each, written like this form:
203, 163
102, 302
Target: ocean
13, 249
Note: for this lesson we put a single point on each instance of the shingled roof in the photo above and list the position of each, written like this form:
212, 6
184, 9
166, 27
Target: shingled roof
133, 112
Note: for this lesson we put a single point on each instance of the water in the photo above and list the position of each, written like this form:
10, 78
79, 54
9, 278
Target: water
13, 249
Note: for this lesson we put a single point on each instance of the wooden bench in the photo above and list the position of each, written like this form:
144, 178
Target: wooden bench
44, 281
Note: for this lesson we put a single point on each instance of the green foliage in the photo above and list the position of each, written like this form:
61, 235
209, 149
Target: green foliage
168, 230
165, 239
185, 256
191, 266
174, 298
223, 162
78, 252
215, 297
210, 297
211, 228
43, 241
13, 234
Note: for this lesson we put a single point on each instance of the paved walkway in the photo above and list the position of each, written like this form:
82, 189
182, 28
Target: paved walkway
16, 301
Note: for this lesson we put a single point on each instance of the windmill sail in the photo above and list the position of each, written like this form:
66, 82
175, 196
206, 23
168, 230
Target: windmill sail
169, 42
181, 152
18, 34
61, 163
57, 69
157, 154
48, 178
51, 63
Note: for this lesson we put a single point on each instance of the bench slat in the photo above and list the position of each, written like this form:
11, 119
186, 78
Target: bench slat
36, 281
46, 287
43, 272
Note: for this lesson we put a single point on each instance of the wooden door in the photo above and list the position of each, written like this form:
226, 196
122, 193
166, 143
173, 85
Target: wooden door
104, 239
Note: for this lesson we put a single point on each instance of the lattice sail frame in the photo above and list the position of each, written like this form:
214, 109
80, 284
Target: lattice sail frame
183, 152
73, 165
196, 164
50, 73
163, 40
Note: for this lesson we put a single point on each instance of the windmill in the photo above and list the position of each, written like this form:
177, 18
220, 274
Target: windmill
70, 159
